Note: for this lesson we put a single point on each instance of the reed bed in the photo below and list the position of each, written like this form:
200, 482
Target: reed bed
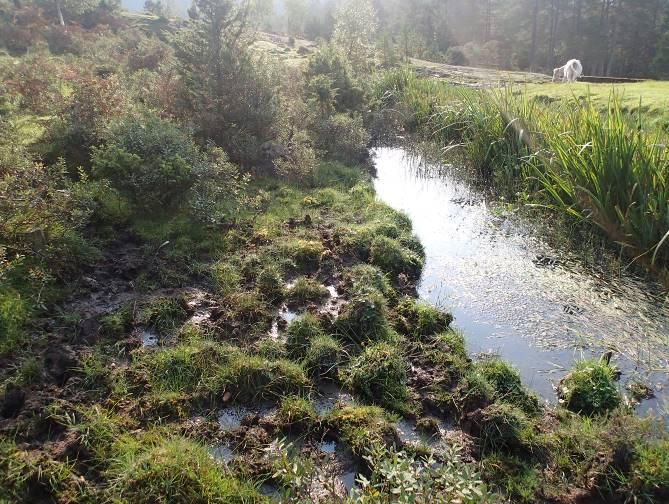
598, 165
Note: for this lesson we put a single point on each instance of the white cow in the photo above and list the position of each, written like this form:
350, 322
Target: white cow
570, 72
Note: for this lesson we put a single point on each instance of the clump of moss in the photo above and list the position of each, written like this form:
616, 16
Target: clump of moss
508, 387
297, 413
389, 255
362, 277
300, 334
306, 254
172, 470
324, 357
270, 284
364, 427
306, 290
379, 375
164, 315
589, 388
419, 319
364, 318
118, 323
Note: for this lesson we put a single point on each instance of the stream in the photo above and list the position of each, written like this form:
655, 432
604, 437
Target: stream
537, 306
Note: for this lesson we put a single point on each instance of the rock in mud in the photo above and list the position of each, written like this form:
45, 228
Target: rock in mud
13, 401
60, 363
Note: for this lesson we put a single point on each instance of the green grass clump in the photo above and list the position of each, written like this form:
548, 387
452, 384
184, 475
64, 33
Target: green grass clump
248, 310
165, 315
589, 388
271, 349
364, 318
118, 323
390, 256
649, 473
363, 427
97, 429
379, 375
508, 387
306, 254
417, 320
323, 357
298, 413
181, 369
251, 378
14, 315
301, 332
362, 277
227, 277
517, 478
270, 284
173, 470
501, 427
305, 290
472, 392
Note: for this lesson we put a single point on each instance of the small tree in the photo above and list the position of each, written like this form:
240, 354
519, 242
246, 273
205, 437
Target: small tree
355, 32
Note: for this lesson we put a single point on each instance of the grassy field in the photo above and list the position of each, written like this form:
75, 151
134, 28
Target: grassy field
649, 97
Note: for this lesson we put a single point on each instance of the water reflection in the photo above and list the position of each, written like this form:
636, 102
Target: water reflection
512, 293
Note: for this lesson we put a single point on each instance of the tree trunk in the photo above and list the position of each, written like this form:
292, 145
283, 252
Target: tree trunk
60, 13
533, 49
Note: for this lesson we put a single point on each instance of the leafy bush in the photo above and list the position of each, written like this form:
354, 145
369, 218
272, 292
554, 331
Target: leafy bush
589, 388
150, 160
330, 63
342, 138
379, 375
399, 477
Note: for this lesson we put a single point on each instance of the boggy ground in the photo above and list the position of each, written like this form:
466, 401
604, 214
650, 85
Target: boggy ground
285, 356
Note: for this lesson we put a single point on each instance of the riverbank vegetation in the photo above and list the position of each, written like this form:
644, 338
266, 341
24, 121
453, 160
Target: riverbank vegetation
594, 161
201, 299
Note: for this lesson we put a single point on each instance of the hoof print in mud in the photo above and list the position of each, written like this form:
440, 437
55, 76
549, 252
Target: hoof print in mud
13, 401
60, 363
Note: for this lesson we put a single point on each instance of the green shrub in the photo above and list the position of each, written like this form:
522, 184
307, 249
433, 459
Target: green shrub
589, 388
306, 290
173, 470
323, 357
301, 332
508, 387
151, 160
379, 375
419, 319
363, 318
342, 138
391, 257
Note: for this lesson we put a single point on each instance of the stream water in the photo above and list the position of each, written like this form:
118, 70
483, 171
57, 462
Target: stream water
539, 307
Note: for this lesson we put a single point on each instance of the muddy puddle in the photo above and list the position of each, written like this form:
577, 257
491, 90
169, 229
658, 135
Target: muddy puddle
513, 294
